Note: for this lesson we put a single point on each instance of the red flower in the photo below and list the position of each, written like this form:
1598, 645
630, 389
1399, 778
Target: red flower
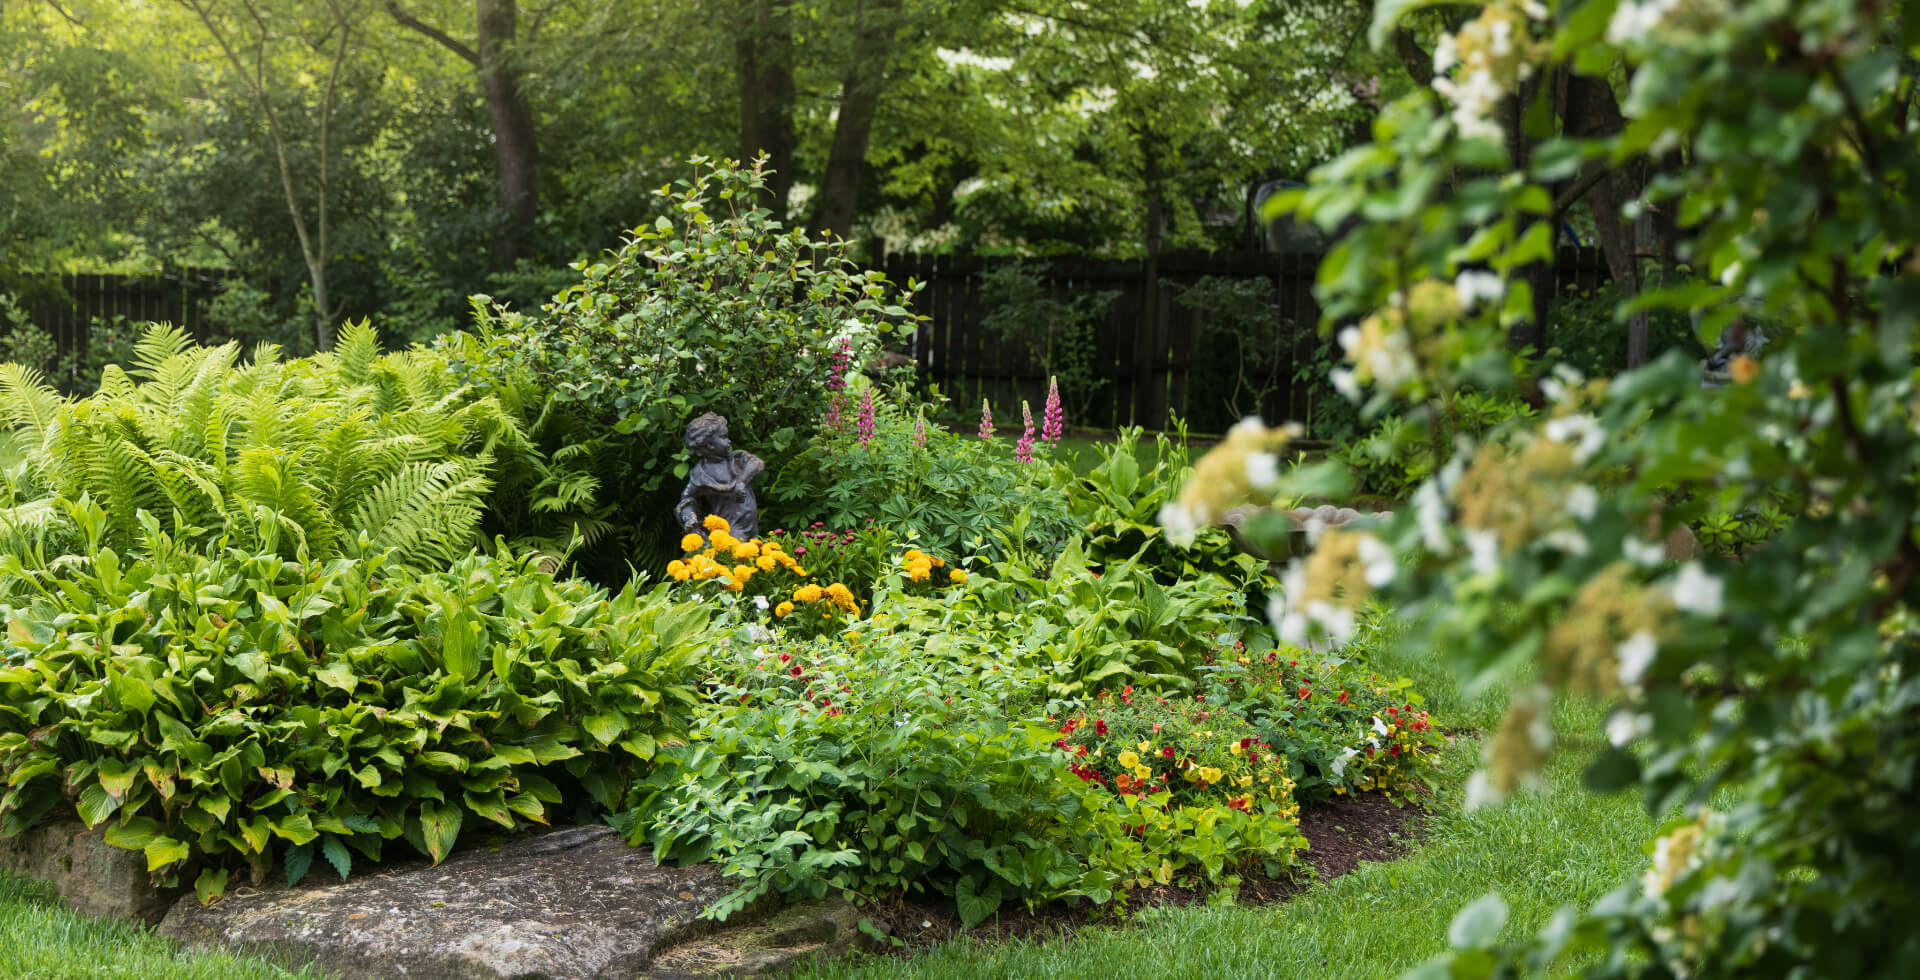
794, 670
1242, 803
1394, 751
1305, 692
786, 657
1166, 752
1100, 727
1343, 697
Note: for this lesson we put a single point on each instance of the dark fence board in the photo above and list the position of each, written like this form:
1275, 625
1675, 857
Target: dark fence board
66, 306
1148, 344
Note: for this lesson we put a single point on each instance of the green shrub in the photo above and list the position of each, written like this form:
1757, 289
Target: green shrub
885, 766
227, 710
1056, 335
348, 453
722, 312
953, 494
1585, 329
1118, 509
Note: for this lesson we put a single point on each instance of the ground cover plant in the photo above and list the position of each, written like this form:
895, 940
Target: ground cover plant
236, 710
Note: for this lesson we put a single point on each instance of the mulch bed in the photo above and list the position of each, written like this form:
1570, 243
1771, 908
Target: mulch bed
1340, 833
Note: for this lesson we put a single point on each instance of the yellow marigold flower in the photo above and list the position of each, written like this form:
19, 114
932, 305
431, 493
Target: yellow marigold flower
913, 555
682, 575
746, 549
939, 563
1129, 759
919, 573
839, 593
733, 584
957, 575
808, 593
766, 563
715, 522
722, 541
743, 572
782, 609
692, 542
675, 566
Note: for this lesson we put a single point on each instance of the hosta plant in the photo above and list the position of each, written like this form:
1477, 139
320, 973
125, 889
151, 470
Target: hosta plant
234, 710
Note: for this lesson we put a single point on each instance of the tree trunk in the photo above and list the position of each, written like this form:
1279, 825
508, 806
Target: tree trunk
516, 153
859, 101
1592, 111
763, 63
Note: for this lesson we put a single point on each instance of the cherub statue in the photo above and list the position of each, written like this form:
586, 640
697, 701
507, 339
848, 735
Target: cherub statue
721, 482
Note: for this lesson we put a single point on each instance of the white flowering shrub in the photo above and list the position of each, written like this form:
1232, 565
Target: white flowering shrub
1783, 137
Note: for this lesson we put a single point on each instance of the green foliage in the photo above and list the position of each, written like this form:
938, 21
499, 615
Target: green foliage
25, 343
1788, 678
348, 453
1242, 348
1056, 335
1397, 455
1586, 332
716, 309
1118, 508
954, 494
215, 711
889, 765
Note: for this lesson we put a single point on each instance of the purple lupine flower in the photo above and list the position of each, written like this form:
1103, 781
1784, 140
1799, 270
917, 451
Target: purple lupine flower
986, 420
866, 417
919, 430
1023, 450
842, 359
833, 414
1051, 426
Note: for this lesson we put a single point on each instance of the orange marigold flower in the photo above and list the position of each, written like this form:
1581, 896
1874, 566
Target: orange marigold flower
808, 593
783, 609
692, 542
766, 563
957, 575
715, 522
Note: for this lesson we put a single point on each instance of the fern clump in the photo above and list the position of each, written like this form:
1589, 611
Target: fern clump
349, 453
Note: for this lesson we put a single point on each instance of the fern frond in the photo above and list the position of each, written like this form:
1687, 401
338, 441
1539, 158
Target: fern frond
27, 403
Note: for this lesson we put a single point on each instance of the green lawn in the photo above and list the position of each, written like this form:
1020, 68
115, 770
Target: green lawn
1540, 852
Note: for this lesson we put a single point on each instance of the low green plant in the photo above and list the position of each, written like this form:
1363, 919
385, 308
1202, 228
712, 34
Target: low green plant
1118, 508
950, 493
1242, 348
234, 710
1587, 331
348, 453
1397, 455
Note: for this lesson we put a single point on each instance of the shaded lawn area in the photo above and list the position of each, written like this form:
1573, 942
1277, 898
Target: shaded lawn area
41, 940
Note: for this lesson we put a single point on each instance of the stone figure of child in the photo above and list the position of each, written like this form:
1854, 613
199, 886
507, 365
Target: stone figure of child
721, 481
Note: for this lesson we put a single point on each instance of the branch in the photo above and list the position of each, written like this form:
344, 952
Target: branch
1415, 59
62, 11
408, 20
1572, 195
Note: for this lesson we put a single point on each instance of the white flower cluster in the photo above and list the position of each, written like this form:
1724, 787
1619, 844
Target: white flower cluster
1635, 20
1474, 68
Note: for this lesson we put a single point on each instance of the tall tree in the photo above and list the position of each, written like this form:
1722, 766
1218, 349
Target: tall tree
264, 44
516, 147
875, 26
763, 65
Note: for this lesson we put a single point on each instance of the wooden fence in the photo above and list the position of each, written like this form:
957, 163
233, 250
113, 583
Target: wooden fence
1155, 355
65, 306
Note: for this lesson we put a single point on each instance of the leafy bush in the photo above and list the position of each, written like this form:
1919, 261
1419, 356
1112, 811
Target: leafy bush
1057, 335
882, 766
952, 494
1398, 454
1117, 507
722, 312
349, 453
215, 710
1242, 348
1586, 331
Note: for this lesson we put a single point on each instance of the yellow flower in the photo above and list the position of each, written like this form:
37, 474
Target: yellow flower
742, 573
766, 563
1145, 746
746, 549
957, 575
1129, 759
722, 541
913, 555
675, 567
1210, 774
1142, 772
1234, 748
919, 572
692, 542
939, 563
782, 609
682, 575
715, 522
808, 593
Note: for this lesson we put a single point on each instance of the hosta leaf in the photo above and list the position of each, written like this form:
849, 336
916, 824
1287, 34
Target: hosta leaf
211, 884
163, 851
297, 828
337, 855
492, 806
95, 805
296, 863
256, 832
605, 727
132, 693
529, 806
135, 834
338, 674
443, 761
439, 827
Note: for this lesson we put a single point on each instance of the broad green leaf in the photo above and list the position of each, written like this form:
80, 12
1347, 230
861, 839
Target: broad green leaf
337, 855
211, 884
439, 827
163, 851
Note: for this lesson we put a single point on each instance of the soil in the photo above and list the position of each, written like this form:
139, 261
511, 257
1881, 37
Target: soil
1340, 833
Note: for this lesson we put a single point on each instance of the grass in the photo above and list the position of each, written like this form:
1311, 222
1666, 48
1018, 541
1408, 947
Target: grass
41, 939
1540, 852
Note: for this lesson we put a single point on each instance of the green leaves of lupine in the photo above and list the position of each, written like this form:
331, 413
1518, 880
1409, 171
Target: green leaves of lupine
244, 706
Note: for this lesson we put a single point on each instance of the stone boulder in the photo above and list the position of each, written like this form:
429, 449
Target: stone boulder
93, 876
571, 903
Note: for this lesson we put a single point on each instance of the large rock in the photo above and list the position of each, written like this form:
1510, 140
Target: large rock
573, 903
93, 876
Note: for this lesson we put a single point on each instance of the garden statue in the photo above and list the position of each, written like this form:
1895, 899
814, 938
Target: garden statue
1738, 340
720, 482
